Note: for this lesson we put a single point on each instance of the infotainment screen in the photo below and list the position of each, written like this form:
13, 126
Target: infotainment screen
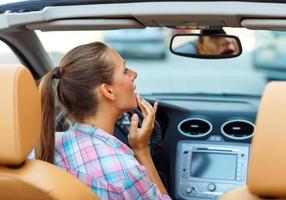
210, 165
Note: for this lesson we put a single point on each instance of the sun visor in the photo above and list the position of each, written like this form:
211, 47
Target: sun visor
266, 24
85, 24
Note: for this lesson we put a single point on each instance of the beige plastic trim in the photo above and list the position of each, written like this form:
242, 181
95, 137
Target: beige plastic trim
154, 13
243, 193
266, 174
266, 24
85, 24
38, 180
20, 114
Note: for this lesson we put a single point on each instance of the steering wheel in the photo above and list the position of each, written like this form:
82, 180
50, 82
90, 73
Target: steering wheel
121, 129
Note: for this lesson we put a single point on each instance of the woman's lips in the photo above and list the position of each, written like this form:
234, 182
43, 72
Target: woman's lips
228, 52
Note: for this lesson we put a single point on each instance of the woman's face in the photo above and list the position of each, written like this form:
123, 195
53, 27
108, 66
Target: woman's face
123, 83
218, 46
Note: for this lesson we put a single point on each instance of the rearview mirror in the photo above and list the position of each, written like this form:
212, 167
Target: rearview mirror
206, 46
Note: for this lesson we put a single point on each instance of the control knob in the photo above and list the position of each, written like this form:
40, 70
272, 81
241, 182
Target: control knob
188, 190
211, 187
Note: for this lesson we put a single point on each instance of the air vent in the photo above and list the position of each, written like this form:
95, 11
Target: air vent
238, 129
195, 127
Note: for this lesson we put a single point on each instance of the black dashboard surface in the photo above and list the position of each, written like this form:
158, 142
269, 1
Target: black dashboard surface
213, 108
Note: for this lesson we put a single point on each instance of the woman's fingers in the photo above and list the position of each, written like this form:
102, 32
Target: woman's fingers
151, 111
148, 111
147, 104
148, 122
146, 107
140, 140
155, 106
139, 101
133, 126
143, 110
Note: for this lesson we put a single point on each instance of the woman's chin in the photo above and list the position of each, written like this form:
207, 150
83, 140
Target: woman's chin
135, 106
132, 107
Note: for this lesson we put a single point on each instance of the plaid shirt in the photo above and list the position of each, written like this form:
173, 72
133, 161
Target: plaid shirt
103, 163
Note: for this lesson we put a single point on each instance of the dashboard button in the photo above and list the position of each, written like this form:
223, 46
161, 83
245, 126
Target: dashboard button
188, 190
211, 187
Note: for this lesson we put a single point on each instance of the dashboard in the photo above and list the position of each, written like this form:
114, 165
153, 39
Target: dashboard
200, 143
206, 141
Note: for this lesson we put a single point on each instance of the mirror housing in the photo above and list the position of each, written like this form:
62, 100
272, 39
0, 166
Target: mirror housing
209, 46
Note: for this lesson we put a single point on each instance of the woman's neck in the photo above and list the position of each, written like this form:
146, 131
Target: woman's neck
103, 120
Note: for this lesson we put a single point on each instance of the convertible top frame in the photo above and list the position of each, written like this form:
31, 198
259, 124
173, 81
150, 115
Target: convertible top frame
193, 15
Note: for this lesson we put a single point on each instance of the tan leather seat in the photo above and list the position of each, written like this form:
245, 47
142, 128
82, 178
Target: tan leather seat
20, 125
267, 167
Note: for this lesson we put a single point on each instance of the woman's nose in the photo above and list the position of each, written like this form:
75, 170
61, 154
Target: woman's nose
227, 41
133, 75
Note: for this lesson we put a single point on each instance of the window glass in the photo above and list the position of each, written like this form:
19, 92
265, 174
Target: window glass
7, 56
159, 71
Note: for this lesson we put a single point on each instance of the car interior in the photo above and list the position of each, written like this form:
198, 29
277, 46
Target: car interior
225, 145
22, 178
265, 172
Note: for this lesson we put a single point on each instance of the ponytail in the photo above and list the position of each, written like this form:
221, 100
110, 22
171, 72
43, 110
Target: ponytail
82, 70
45, 149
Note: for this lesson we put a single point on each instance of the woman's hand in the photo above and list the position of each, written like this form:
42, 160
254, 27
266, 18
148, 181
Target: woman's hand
138, 138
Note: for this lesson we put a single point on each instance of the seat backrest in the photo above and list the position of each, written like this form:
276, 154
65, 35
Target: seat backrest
267, 166
20, 125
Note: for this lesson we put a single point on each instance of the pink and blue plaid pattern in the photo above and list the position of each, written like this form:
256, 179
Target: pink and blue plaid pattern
103, 163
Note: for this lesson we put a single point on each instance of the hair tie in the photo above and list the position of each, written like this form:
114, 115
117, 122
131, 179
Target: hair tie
57, 73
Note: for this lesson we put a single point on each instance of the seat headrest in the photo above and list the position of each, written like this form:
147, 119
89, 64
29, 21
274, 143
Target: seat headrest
267, 168
20, 114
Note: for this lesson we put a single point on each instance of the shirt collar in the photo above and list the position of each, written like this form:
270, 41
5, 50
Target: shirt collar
84, 128
100, 134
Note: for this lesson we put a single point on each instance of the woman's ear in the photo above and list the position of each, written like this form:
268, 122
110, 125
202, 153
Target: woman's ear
107, 91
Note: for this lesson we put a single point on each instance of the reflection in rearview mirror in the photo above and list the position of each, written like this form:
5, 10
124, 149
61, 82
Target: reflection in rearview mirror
206, 46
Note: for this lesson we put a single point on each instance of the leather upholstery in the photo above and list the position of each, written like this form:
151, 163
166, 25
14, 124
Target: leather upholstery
38, 180
267, 169
20, 116
267, 166
243, 193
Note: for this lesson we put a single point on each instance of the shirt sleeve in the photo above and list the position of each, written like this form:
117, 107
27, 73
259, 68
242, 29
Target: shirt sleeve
139, 186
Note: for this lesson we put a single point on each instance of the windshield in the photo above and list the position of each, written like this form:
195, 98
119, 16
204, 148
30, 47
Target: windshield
159, 71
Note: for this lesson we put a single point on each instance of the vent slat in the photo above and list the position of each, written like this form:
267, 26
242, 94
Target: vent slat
238, 129
195, 127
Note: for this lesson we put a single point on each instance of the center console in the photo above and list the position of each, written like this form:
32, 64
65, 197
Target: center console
205, 170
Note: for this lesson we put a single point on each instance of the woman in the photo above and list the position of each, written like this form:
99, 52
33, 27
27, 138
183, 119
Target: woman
95, 88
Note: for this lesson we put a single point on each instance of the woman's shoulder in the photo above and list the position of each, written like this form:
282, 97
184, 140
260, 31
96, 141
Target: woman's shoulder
102, 147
